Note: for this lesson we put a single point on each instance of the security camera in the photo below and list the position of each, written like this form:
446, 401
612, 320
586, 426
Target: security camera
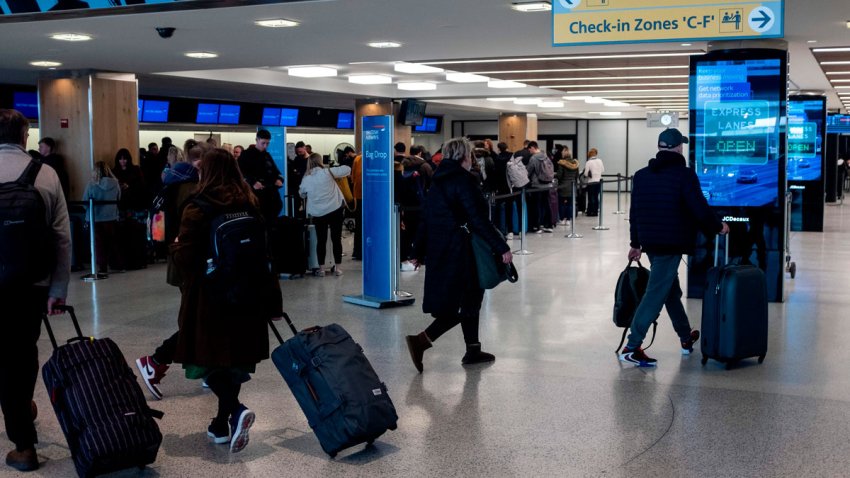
165, 32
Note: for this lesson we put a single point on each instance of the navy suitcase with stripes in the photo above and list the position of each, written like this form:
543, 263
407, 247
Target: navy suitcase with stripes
100, 405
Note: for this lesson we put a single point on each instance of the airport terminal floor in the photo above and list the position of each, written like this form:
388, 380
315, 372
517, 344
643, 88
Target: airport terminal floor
556, 402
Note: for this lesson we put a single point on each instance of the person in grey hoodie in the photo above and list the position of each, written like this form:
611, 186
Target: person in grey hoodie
541, 172
104, 187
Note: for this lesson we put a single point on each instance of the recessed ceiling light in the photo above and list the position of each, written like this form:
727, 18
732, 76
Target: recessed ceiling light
276, 23
526, 101
564, 58
841, 81
45, 63
201, 54
812, 41
575, 98
594, 100
838, 72
837, 87
415, 68
71, 36
615, 104
848, 23
416, 86
466, 78
501, 99
505, 84
687, 44
528, 7
551, 104
607, 113
384, 44
831, 50
574, 70
835, 63
311, 71
370, 79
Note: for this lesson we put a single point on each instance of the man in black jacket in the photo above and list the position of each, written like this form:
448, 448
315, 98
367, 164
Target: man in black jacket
262, 174
667, 208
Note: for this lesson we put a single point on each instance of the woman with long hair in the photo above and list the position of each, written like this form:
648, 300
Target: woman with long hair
219, 341
454, 209
325, 204
104, 187
129, 176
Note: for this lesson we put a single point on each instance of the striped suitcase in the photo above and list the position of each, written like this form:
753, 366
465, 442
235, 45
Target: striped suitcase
100, 405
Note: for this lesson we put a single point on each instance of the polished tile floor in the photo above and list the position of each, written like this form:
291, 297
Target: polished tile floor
555, 403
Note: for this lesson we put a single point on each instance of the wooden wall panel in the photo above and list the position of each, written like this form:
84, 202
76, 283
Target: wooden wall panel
67, 99
115, 120
512, 130
367, 108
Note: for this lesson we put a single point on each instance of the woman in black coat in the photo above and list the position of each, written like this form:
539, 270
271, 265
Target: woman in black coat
452, 293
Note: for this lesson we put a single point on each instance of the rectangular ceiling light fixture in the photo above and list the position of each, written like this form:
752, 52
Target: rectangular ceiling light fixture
526, 101
574, 70
312, 71
502, 99
611, 85
417, 86
370, 79
831, 49
551, 104
415, 68
466, 78
529, 7
505, 84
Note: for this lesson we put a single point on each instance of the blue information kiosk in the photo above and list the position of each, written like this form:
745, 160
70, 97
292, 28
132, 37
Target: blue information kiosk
738, 106
380, 223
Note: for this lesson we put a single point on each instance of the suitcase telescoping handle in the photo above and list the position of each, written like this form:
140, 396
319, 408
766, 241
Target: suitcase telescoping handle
70, 311
717, 249
288, 322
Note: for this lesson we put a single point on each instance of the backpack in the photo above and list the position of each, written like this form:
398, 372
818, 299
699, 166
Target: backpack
25, 237
631, 286
517, 174
547, 171
238, 266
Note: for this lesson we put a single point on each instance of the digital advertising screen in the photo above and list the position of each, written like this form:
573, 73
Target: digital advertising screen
429, 125
155, 111
805, 138
271, 117
289, 117
26, 103
345, 120
207, 113
736, 111
838, 124
228, 114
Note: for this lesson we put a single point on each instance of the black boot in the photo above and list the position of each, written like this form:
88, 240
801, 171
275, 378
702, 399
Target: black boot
417, 345
475, 355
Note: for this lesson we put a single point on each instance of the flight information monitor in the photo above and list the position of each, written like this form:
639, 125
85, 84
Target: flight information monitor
228, 114
289, 117
27, 103
155, 111
838, 124
736, 107
207, 113
805, 138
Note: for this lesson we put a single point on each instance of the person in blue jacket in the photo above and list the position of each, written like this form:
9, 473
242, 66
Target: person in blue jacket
667, 208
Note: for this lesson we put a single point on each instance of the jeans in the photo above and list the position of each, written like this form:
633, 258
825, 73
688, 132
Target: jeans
663, 290
565, 204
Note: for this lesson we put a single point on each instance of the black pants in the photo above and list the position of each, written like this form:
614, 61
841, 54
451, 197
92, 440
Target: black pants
19, 361
505, 214
358, 230
533, 212
227, 389
107, 247
593, 190
407, 236
164, 354
322, 223
467, 317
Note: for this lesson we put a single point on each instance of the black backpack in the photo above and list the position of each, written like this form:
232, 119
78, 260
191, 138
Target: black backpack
631, 286
26, 250
238, 267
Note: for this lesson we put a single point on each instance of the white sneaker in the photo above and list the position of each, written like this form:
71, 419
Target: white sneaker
509, 236
406, 266
546, 229
562, 222
539, 231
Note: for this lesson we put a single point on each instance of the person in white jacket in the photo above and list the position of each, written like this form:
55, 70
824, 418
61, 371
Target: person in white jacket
593, 170
325, 204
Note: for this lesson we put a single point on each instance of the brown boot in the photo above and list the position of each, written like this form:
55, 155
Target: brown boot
417, 345
25, 460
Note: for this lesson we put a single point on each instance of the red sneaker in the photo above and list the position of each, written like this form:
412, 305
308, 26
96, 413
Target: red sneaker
637, 357
151, 373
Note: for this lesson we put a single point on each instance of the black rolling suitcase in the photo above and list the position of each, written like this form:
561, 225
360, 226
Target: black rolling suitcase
338, 390
734, 312
134, 247
100, 405
289, 246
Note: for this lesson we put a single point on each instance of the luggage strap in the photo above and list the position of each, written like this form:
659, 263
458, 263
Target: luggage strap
626, 331
155, 413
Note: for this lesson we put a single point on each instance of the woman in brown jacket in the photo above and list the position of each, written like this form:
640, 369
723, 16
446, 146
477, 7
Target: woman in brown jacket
218, 342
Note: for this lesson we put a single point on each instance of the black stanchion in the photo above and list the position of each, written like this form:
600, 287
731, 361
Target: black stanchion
573, 234
620, 180
600, 226
94, 275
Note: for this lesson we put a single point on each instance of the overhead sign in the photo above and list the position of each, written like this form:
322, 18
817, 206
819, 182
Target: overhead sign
582, 22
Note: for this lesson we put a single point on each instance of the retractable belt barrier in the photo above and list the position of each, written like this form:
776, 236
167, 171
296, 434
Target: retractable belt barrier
91, 203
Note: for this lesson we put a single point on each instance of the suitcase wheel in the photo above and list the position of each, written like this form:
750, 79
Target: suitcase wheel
761, 358
704, 360
792, 268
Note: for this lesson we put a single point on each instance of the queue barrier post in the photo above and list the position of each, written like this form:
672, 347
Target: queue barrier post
573, 234
524, 221
600, 226
620, 180
94, 275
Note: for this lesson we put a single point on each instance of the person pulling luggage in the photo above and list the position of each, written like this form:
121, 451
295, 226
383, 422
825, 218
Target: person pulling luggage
667, 207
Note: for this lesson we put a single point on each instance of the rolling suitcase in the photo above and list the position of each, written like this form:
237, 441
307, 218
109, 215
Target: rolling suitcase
289, 250
344, 400
734, 312
99, 405
133, 243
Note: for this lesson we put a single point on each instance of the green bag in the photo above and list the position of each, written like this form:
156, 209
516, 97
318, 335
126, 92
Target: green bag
491, 270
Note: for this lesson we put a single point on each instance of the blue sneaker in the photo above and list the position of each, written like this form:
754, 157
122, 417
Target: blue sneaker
240, 424
219, 431
688, 345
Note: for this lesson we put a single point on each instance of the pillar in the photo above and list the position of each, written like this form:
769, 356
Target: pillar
379, 107
513, 128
